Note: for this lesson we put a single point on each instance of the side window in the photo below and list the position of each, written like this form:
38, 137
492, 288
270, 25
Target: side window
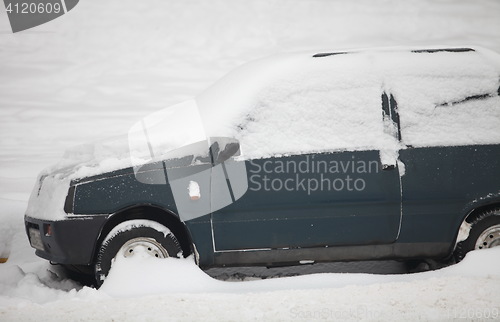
390, 116
446, 99
315, 113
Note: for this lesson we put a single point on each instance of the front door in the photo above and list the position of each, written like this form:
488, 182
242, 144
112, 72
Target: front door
312, 200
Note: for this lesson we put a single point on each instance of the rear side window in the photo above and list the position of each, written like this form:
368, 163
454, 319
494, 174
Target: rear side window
448, 100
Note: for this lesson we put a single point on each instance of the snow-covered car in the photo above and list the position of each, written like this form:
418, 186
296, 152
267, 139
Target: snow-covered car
297, 158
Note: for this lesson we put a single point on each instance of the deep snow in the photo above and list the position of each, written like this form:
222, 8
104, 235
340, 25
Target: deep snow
150, 289
97, 70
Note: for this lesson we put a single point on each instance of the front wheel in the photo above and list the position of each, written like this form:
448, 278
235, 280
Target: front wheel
131, 238
484, 233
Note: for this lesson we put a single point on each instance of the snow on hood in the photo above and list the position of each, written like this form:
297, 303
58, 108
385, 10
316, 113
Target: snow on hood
93, 158
51, 188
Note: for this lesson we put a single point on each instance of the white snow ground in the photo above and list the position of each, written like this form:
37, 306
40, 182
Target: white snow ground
95, 71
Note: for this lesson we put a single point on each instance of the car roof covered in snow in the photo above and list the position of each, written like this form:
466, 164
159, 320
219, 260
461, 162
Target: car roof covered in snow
430, 51
305, 102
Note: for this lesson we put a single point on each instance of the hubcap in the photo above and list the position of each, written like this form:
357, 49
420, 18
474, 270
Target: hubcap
143, 245
489, 238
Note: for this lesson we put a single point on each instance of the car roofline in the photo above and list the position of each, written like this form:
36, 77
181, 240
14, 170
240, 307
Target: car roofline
416, 51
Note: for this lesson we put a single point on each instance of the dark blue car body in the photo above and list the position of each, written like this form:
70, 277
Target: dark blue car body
322, 206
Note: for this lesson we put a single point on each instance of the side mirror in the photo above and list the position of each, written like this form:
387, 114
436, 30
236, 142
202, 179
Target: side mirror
224, 148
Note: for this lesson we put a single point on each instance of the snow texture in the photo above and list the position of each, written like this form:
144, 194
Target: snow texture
295, 104
97, 70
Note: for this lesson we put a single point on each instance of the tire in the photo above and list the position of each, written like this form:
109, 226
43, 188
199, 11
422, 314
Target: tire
484, 233
153, 238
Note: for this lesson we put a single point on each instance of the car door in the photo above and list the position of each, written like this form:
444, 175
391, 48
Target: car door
346, 193
312, 200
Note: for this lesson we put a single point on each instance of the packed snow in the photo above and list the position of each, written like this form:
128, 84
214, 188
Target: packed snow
157, 289
96, 71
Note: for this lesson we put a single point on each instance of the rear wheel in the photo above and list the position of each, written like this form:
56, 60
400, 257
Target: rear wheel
484, 233
134, 237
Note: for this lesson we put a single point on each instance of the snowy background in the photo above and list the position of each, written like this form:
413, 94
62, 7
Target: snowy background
95, 71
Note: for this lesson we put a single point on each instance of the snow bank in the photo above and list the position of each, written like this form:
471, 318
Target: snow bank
140, 276
150, 288
444, 300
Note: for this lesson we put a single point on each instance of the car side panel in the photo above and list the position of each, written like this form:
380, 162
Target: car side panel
440, 187
201, 235
117, 192
281, 216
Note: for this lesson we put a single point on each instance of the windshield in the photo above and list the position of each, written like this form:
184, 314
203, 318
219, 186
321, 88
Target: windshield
162, 134
226, 102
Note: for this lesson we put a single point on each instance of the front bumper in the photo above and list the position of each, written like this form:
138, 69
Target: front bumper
70, 241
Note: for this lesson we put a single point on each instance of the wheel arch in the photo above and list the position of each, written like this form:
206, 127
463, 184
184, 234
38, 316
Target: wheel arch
477, 212
471, 216
151, 212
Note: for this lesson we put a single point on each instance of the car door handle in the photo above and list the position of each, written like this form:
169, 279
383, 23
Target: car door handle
388, 167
